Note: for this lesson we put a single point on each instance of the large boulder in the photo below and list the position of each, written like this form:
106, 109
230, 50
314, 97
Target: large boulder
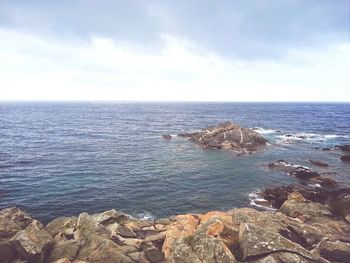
64, 249
103, 250
13, 220
228, 136
33, 242
211, 242
63, 226
255, 241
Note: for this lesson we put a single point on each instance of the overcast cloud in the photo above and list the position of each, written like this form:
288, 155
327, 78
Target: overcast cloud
172, 50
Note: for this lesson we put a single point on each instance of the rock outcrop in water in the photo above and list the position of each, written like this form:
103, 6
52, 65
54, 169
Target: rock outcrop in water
228, 136
301, 230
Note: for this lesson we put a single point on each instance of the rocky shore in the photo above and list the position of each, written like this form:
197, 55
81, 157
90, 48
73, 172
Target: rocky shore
300, 230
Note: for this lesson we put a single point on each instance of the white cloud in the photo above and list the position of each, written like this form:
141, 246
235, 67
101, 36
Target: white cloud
32, 68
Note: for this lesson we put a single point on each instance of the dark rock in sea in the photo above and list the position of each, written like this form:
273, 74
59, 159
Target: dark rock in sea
322, 194
345, 158
344, 148
298, 171
326, 149
167, 137
319, 164
228, 136
185, 135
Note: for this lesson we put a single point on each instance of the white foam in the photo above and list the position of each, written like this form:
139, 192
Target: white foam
315, 185
254, 197
146, 216
264, 131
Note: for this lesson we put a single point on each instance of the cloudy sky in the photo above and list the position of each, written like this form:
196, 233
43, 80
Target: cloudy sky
180, 50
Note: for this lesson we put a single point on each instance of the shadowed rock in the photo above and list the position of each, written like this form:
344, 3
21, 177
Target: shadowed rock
345, 158
166, 137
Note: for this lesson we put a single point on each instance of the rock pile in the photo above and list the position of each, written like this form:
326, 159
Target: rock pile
228, 136
300, 231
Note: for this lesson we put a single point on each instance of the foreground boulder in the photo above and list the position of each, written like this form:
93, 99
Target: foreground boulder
13, 220
32, 243
228, 136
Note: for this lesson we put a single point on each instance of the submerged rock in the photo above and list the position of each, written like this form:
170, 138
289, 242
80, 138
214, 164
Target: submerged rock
167, 137
228, 136
298, 171
344, 148
319, 164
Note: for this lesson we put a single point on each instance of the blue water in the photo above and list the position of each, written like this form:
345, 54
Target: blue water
64, 158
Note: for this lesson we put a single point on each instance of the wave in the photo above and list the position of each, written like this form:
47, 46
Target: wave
255, 200
264, 131
314, 137
145, 215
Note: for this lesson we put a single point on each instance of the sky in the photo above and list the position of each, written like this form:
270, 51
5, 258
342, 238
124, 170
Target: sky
180, 50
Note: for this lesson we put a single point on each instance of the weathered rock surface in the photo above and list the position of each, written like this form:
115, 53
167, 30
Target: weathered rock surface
32, 243
301, 230
228, 136
13, 220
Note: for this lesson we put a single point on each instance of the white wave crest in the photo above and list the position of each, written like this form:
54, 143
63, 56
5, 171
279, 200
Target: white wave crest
257, 201
264, 131
145, 215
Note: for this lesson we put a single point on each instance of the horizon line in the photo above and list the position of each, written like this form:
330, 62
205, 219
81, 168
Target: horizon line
168, 101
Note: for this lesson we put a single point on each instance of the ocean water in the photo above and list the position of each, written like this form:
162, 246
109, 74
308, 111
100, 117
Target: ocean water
65, 158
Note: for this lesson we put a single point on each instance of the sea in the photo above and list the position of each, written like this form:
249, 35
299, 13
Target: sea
64, 158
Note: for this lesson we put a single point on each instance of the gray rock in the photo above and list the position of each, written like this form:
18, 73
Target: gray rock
229, 136
126, 232
68, 249
33, 242
13, 220
62, 225
256, 241
103, 250
154, 255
